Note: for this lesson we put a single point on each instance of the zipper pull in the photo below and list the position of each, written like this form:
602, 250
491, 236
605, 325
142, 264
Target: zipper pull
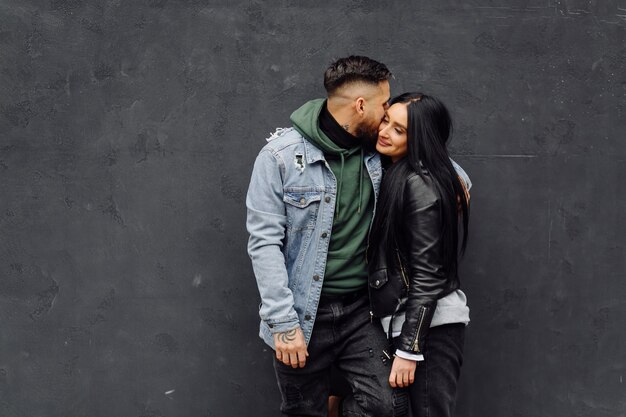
371, 317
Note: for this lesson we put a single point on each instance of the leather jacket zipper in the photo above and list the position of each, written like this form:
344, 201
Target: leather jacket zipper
404, 278
416, 347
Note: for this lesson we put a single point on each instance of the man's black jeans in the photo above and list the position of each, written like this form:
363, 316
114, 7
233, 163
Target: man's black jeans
345, 336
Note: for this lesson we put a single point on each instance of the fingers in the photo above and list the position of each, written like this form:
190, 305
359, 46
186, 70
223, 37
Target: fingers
392, 381
298, 359
302, 358
283, 357
396, 380
293, 359
401, 378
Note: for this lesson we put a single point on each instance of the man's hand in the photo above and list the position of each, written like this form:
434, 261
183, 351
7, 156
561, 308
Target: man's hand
402, 372
291, 348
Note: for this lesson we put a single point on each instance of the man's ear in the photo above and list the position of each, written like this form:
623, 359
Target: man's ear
359, 106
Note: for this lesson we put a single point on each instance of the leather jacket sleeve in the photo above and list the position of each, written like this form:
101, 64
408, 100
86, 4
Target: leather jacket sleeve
423, 255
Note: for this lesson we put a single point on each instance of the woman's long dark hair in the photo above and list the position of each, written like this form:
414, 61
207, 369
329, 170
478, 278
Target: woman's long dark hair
428, 129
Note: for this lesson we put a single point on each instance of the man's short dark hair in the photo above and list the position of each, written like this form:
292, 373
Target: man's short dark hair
354, 68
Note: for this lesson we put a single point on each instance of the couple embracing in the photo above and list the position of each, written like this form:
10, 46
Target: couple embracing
357, 270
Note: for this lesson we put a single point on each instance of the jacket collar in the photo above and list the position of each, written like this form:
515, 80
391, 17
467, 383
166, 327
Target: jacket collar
314, 154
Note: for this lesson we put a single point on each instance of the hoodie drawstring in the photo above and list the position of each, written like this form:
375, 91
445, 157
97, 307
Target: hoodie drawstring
340, 180
361, 179
343, 160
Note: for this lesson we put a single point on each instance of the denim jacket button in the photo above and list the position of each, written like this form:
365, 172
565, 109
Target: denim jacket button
316, 277
307, 317
327, 199
302, 201
324, 234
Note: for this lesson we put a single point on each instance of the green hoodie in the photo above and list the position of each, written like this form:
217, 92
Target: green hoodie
346, 269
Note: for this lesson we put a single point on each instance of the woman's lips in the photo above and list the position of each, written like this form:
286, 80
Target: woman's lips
383, 142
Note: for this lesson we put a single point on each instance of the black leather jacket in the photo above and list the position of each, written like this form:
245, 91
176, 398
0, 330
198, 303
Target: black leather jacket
417, 278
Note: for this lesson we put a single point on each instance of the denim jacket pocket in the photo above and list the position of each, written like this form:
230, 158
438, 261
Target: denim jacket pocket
301, 207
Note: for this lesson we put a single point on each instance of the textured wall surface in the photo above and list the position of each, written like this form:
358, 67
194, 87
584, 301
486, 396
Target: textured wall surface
127, 134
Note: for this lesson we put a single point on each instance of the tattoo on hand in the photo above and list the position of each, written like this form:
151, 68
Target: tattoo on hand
288, 336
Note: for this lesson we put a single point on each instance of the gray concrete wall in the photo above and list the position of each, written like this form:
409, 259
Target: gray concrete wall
127, 134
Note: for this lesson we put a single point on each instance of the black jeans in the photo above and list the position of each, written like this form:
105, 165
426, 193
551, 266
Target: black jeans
433, 394
343, 336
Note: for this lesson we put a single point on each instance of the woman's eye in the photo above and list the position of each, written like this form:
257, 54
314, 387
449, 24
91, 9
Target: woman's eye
398, 131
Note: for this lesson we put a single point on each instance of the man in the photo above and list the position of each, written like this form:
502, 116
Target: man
310, 204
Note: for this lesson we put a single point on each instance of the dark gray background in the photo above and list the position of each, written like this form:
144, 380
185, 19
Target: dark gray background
127, 134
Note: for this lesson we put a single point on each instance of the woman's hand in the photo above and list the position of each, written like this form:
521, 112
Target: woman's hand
402, 372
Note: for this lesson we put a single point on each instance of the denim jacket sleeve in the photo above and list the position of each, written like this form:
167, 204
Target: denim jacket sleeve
266, 223
462, 174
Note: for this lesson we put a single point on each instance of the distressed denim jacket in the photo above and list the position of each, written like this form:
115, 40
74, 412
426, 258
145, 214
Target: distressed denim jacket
290, 208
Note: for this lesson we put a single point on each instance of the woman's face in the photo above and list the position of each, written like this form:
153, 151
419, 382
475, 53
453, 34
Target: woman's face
392, 132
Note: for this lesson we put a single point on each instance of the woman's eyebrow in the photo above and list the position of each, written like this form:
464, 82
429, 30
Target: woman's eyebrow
399, 125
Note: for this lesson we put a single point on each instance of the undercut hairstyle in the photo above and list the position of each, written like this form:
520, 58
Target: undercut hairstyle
354, 69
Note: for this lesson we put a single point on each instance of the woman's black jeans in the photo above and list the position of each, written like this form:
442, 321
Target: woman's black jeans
433, 394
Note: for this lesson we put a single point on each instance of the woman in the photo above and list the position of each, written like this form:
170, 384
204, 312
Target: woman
419, 232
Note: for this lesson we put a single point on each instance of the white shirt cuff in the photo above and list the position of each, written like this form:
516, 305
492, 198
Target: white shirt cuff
410, 356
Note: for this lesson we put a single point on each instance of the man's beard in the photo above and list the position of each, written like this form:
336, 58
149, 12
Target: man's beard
368, 136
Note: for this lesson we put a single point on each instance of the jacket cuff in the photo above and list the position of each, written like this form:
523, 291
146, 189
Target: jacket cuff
282, 325
415, 329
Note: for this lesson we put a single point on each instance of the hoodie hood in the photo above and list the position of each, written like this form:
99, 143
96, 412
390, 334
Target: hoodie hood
306, 121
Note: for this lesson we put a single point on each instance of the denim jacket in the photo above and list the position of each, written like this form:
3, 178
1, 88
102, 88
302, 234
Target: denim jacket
290, 208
